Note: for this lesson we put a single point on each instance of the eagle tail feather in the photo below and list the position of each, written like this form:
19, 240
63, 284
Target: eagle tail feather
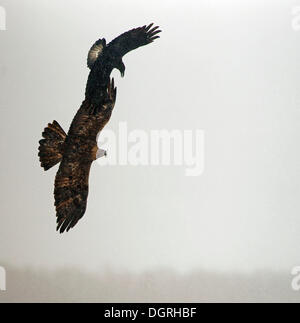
51, 146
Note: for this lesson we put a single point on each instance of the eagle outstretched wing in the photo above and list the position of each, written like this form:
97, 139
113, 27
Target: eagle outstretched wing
71, 192
133, 39
72, 179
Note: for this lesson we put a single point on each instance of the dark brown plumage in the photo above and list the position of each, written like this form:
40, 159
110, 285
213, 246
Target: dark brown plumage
51, 147
76, 152
78, 149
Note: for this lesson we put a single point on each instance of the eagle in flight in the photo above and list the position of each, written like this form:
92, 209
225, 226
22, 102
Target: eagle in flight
77, 150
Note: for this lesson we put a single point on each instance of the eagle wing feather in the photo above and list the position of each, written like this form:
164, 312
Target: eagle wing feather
71, 192
72, 178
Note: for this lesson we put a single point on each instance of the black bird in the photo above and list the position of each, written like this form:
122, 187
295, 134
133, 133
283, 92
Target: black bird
102, 58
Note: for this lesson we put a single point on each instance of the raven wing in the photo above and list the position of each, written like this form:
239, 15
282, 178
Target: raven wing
133, 39
95, 52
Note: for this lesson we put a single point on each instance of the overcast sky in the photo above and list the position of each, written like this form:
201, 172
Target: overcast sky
229, 68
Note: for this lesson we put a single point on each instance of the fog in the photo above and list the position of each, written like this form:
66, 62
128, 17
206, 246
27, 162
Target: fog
228, 68
162, 285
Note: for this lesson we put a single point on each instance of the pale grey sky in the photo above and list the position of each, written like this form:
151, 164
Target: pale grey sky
230, 68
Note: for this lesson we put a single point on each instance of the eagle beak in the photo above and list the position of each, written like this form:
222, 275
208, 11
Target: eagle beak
100, 153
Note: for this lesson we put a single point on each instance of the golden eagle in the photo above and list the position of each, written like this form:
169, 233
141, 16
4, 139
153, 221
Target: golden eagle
78, 149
